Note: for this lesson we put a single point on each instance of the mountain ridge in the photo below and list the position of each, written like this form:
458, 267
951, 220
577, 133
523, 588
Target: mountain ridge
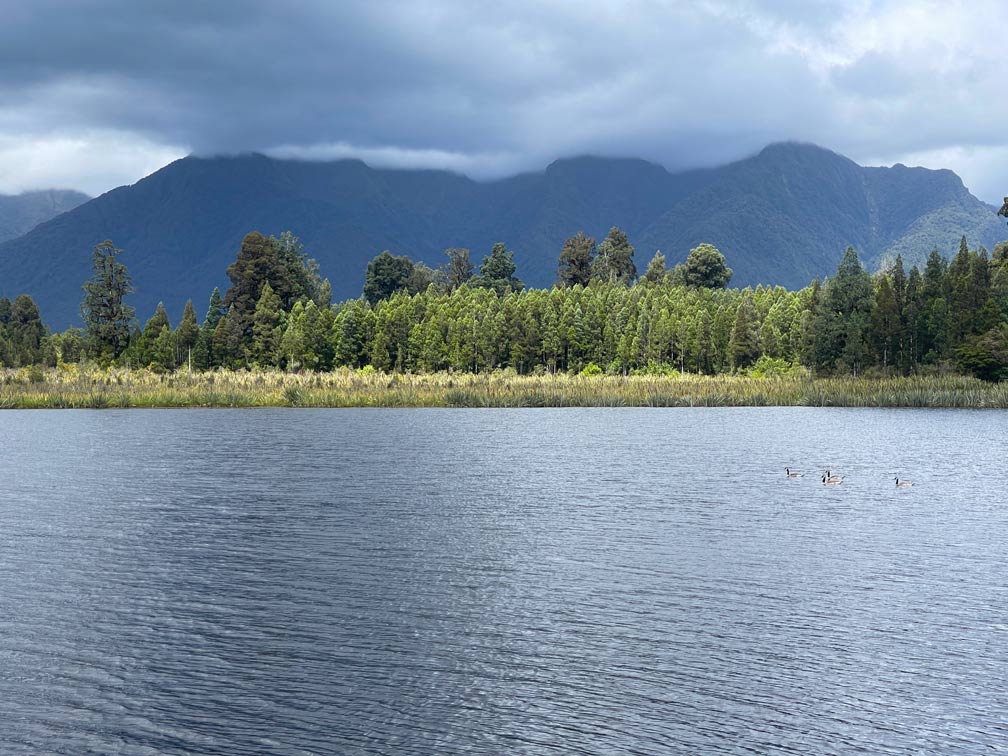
781, 216
20, 213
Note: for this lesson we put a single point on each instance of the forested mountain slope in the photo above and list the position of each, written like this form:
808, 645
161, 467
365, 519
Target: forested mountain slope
20, 213
783, 216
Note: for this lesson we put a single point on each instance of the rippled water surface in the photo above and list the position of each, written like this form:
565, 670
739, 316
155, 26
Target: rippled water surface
502, 582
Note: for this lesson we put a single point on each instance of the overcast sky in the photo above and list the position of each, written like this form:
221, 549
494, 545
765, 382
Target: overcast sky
99, 93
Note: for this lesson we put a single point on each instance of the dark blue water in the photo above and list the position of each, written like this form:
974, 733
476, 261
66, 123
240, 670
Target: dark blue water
633, 581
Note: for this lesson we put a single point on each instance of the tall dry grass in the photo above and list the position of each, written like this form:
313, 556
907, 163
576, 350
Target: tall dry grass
72, 386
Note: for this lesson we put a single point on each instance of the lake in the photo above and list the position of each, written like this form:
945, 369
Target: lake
632, 581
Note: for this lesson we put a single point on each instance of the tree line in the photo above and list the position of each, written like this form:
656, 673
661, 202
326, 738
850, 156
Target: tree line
601, 316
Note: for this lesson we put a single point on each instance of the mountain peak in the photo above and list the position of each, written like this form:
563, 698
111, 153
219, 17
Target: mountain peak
783, 217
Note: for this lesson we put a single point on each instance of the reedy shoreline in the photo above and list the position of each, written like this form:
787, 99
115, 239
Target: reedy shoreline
72, 387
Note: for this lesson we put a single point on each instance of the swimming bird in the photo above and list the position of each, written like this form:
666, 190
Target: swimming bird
790, 474
832, 480
902, 483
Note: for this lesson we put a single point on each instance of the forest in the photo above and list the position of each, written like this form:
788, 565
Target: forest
600, 317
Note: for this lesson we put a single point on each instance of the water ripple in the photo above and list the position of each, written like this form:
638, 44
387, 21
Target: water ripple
521, 582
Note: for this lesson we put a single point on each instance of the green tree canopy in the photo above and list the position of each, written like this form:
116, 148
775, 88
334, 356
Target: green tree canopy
386, 274
576, 260
158, 320
497, 271
279, 261
459, 267
187, 332
656, 271
705, 268
843, 317
614, 259
107, 318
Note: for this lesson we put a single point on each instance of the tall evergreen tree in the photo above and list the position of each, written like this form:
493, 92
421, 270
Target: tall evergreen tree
186, 334
497, 271
215, 310
843, 318
885, 321
266, 328
576, 260
656, 272
458, 269
614, 259
107, 317
157, 321
386, 274
227, 348
745, 346
25, 331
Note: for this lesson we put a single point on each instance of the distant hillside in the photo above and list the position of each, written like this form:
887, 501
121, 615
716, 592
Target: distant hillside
783, 216
20, 213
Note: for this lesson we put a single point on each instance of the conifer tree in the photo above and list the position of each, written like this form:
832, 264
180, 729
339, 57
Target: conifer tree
107, 317
614, 259
576, 260
265, 328
186, 334
459, 268
215, 310
656, 272
497, 272
744, 346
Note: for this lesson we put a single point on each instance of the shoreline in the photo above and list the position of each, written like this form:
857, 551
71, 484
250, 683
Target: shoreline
73, 387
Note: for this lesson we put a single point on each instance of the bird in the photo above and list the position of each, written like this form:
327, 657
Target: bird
902, 483
790, 474
832, 480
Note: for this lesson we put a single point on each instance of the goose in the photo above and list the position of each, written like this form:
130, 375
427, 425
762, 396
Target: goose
790, 474
902, 483
832, 480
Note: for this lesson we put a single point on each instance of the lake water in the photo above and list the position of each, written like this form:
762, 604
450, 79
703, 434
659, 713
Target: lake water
634, 581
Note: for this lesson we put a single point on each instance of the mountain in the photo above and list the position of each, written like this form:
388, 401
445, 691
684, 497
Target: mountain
783, 216
20, 213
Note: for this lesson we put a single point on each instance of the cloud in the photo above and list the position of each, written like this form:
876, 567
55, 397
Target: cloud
92, 161
490, 89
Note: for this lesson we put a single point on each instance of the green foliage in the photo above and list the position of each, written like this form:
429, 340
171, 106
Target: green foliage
24, 340
986, 356
576, 260
459, 268
280, 262
187, 332
227, 348
386, 274
842, 318
614, 259
107, 318
420, 277
668, 322
497, 271
656, 272
215, 310
266, 328
705, 266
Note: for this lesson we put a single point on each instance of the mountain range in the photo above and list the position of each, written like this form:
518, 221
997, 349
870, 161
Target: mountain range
20, 213
783, 216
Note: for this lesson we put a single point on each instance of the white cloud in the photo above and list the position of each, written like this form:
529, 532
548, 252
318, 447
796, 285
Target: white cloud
476, 165
91, 162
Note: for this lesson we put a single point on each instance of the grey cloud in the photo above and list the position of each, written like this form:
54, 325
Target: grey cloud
495, 87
